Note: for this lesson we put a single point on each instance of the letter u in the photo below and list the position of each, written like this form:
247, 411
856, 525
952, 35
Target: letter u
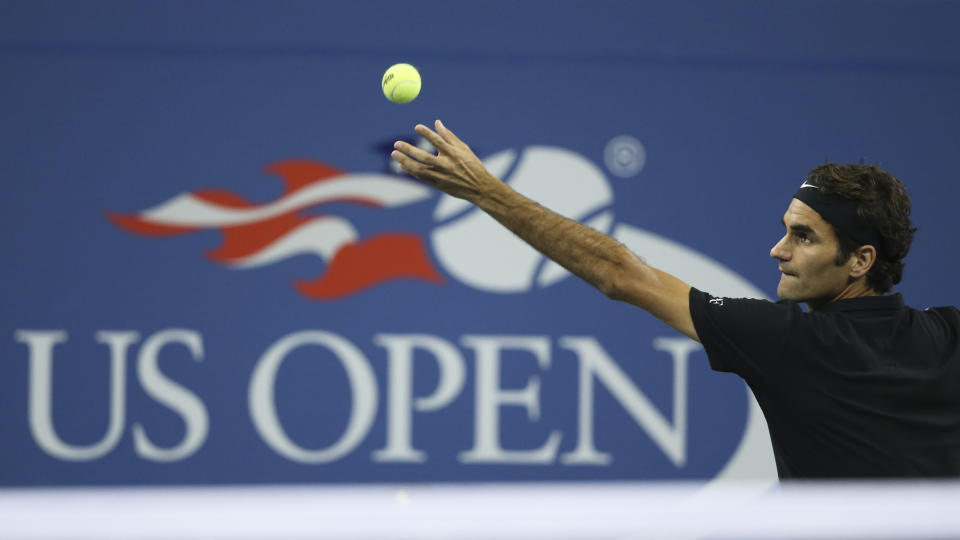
40, 400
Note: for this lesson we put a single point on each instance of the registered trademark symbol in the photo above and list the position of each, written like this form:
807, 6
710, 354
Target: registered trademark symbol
624, 156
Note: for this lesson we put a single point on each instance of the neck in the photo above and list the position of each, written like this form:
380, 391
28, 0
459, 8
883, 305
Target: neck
855, 289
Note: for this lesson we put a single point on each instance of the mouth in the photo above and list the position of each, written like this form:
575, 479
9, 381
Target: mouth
784, 272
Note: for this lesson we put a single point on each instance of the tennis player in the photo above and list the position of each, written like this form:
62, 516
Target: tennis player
857, 386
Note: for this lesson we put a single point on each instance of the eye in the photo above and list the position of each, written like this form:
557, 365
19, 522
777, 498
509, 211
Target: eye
802, 237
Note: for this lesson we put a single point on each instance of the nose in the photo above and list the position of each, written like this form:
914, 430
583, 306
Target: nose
780, 251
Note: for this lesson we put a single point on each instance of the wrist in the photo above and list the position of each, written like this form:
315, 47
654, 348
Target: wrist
497, 198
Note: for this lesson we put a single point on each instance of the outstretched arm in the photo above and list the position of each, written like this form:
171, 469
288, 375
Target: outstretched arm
594, 257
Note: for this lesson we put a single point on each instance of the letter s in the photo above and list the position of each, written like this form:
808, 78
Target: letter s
174, 396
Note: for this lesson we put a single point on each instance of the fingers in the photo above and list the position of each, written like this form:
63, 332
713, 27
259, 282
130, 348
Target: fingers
435, 139
447, 134
418, 154
423, 164
412, 166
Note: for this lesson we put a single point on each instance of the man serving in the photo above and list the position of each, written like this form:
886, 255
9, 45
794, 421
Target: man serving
857, 386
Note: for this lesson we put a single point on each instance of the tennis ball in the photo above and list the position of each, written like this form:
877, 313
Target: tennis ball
401, 83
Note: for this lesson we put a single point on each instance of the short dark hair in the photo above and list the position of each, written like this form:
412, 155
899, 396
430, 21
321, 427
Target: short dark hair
882, 203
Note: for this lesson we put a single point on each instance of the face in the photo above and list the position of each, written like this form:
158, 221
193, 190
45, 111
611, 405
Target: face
807, 258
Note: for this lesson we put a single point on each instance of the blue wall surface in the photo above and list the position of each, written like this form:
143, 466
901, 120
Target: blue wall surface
151, 339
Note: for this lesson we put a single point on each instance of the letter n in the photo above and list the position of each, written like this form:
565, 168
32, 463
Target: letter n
595, 363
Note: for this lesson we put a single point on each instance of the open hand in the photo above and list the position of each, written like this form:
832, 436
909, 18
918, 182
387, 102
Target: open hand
455, 169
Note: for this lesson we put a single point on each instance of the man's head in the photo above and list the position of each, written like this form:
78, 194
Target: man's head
848, 229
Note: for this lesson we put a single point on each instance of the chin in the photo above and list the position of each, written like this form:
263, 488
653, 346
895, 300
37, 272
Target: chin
788, 293
783, 293
786, 296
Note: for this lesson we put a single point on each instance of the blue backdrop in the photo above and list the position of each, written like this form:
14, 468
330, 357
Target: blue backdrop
132, 351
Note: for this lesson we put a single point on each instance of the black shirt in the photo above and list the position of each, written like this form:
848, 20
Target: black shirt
861, 388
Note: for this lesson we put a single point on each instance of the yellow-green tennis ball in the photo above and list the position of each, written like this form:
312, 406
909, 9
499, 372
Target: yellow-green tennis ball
401, 83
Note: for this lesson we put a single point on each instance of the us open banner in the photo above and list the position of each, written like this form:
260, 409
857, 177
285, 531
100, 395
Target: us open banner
214, 275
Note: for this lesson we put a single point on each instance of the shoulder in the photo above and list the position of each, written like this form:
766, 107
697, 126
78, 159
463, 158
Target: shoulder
739, 334
940, 319
948, 313
751, 310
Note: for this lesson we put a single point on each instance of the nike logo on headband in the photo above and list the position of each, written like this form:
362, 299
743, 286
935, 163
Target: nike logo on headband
805, 184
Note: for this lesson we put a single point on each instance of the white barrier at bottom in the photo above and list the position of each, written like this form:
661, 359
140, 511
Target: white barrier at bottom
593, 511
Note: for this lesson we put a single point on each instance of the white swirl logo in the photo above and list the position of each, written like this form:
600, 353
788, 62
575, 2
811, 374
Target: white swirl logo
479, 252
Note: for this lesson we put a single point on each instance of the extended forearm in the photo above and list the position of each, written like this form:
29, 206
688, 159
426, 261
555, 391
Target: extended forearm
585, 252
589, 254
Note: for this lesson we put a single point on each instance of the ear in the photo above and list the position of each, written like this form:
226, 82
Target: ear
861, 261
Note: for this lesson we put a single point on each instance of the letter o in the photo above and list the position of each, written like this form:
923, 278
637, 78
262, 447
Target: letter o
363, 386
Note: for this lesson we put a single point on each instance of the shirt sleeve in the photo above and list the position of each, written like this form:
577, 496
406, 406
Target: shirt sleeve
745, 336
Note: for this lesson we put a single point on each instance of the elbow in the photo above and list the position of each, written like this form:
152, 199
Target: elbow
626, 280
613, 293
617, 288
615, 283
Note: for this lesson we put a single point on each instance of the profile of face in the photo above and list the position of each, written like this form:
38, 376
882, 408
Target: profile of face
807, 258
